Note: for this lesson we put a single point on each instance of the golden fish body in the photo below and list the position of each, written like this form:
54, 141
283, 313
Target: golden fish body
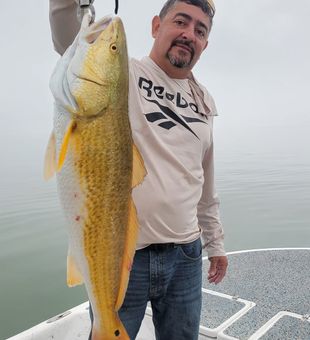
98, 166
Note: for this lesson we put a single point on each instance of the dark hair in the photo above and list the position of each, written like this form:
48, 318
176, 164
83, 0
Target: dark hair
203, 4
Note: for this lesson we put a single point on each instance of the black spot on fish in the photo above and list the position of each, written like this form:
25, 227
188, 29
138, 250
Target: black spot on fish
117, 333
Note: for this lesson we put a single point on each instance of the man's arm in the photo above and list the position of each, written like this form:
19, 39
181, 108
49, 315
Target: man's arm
64, 23
209, 221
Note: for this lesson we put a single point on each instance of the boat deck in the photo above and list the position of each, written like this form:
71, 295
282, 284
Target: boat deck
265, 296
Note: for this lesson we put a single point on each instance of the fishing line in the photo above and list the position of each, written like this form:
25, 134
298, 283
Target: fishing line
116, 7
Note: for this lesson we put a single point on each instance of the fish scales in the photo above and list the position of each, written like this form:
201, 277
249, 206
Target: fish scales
98, 166
103, 167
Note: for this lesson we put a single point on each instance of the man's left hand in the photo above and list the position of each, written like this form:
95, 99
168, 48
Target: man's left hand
217, 270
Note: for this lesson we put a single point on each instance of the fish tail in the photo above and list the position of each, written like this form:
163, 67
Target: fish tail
116, 332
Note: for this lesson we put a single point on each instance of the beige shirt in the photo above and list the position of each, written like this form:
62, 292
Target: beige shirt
171, 121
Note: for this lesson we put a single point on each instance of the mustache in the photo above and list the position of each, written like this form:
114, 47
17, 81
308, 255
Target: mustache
184, 42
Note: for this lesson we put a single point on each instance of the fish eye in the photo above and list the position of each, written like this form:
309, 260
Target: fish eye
113, 48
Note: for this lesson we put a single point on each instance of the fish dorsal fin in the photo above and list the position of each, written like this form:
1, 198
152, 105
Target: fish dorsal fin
65, 144
50, 158
138, 168
74, 276
129, 252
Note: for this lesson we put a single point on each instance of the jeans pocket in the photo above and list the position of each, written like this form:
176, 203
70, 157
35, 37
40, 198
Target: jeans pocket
192, 251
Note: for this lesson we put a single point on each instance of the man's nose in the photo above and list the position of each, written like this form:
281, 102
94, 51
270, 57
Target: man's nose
189, 33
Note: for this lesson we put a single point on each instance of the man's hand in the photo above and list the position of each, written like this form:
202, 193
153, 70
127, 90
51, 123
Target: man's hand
217, 270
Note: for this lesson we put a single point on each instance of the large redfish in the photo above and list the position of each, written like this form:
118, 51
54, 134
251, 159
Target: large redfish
97, 165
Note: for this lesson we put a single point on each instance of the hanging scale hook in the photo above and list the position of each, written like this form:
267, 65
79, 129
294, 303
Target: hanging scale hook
86, 6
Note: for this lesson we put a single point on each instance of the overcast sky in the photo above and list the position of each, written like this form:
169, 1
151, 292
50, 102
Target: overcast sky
256, 66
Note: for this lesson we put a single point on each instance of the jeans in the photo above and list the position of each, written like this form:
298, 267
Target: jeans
170, 277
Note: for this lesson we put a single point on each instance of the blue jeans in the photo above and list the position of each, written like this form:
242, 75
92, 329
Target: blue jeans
170, 277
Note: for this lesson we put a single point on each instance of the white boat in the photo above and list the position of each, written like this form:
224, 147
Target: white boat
265, 296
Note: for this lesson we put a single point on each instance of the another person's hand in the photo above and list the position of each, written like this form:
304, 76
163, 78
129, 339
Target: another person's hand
217, 270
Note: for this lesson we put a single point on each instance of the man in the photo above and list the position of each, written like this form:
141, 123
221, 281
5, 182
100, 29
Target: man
171, 116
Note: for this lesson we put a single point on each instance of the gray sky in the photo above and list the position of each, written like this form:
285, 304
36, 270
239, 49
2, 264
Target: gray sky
256, 66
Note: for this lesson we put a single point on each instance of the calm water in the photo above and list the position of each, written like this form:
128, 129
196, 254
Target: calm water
264, 190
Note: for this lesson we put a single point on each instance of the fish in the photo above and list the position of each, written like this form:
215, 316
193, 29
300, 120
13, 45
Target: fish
97, 165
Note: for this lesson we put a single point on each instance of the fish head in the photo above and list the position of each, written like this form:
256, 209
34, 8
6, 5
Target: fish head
99, 68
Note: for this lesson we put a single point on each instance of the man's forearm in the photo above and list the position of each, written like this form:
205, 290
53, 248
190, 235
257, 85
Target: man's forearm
64, 23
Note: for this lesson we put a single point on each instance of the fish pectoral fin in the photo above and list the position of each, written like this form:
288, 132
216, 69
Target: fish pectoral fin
50, 158
129, 252
74, 276
65, 144
138, 168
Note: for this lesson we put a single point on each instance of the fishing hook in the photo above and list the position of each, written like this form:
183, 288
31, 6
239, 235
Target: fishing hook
116, 7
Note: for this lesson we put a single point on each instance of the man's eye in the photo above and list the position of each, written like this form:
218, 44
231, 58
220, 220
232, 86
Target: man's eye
201, 33
180, 22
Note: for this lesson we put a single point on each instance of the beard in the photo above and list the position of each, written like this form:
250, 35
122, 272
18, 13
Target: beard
182, 59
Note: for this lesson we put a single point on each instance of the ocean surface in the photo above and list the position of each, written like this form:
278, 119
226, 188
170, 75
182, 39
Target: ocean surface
264, 191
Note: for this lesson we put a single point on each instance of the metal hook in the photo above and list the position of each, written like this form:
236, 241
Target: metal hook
86, 6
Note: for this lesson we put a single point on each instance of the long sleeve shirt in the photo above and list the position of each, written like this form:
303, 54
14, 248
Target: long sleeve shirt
172, 126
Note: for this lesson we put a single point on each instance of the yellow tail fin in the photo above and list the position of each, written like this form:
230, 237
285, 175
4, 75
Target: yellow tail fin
118, 332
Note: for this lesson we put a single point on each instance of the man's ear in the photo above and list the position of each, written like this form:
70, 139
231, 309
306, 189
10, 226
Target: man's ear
155, 26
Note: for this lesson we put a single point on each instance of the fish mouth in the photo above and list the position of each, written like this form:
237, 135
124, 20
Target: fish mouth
89, 80
94, 30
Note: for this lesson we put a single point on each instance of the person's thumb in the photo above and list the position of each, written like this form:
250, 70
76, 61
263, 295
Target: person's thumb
212, 269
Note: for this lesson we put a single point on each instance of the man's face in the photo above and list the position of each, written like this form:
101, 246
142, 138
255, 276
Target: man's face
181, 36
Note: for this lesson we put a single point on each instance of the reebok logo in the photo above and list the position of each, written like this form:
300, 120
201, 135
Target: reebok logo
167, 113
